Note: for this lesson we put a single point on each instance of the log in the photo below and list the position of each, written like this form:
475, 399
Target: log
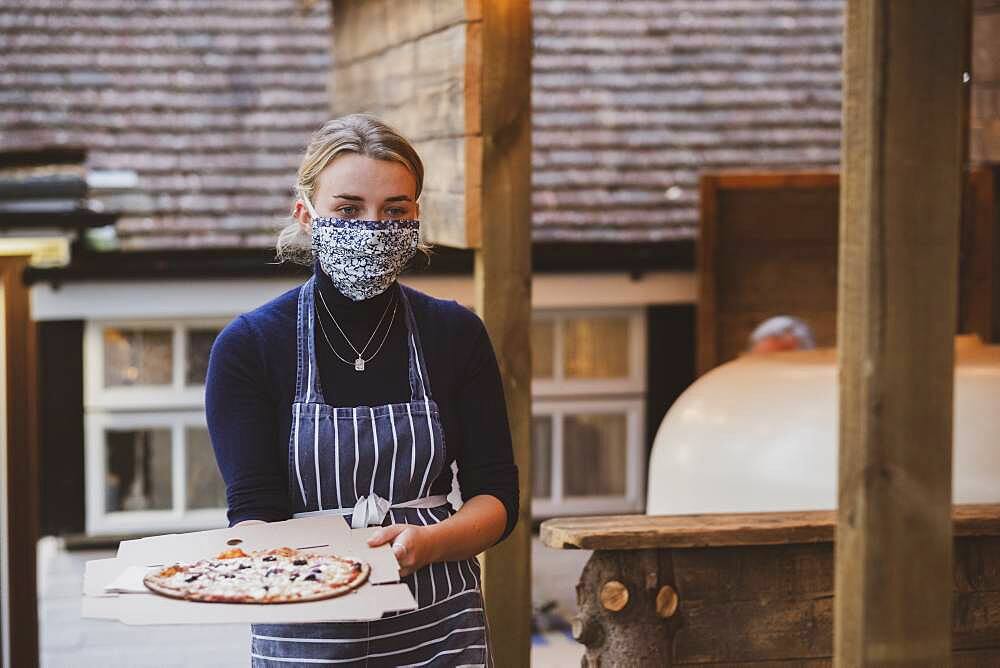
628, 632
614, 595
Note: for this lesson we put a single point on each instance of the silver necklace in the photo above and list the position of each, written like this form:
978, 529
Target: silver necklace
359, 353
359, 363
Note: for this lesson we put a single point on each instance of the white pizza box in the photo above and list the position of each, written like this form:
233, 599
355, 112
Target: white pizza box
113, 589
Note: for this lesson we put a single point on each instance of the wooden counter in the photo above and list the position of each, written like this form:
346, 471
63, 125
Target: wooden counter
748, 589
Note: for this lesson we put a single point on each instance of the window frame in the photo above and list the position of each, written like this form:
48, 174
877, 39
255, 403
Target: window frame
175, 395
102, 521
634, 498
560, 386
176, 406
554, 397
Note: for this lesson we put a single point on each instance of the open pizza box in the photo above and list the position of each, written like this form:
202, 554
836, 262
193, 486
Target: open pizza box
113, 588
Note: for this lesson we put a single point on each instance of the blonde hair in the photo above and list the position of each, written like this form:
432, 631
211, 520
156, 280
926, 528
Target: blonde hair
356, 133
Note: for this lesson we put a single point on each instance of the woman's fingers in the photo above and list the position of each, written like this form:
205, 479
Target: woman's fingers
406, 545
402, 553
400, 549
385, 534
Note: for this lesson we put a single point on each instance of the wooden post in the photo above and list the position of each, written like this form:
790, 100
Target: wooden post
457, 83
500, 104
18, 470
900, 208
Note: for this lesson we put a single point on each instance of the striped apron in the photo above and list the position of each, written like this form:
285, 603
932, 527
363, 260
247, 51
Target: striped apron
376, 464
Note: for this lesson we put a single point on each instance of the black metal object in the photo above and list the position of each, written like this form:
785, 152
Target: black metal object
43, 156
42, 189
46, 186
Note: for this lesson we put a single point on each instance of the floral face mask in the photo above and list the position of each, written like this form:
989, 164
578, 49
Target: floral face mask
362, 257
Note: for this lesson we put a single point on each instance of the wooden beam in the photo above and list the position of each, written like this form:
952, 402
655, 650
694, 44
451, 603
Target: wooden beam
19, 469
503, 288
900, 209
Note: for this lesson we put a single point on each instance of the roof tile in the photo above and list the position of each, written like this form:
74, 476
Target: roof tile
211, 102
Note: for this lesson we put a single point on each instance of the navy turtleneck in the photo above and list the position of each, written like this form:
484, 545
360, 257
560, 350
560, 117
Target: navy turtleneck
385, 379
250, 388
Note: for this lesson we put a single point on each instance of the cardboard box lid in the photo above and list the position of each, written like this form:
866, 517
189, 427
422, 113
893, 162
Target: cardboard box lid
320, 535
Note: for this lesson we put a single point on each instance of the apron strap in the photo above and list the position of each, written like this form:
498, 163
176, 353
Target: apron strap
420, 383
371, 510
308, 388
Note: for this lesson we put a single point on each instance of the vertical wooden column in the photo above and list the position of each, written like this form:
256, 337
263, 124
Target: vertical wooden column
900, 207
500, 103
18, 470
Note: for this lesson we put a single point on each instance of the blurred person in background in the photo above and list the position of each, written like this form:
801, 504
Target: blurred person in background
781, 333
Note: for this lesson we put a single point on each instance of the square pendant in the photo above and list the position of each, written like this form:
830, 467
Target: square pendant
359, 364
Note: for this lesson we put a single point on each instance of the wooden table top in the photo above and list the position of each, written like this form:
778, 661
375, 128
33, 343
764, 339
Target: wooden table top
638, 532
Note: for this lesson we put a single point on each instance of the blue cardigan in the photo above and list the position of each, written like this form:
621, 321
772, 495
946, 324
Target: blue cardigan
250, 388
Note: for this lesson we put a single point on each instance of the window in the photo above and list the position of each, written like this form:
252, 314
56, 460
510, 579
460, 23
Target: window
588, 370
150, 465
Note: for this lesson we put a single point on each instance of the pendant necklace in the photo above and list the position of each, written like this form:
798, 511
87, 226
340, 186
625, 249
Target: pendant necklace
360, 361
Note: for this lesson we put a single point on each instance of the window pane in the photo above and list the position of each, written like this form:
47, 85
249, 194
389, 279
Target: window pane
596, 347
205, 488
541, 456
543, 334
138, 473
595, 454
137, 357
199, 343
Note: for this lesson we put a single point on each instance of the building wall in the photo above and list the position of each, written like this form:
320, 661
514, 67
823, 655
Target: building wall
79, 415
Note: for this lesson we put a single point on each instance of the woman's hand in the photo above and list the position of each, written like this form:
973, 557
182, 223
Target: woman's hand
410, 543
477, 525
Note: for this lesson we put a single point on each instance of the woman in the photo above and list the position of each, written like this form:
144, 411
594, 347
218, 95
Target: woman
353, 394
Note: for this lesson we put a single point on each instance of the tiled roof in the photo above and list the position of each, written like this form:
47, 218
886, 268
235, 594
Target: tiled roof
633, 99
211, 102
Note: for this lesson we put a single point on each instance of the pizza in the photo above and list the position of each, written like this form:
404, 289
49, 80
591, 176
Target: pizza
281, 575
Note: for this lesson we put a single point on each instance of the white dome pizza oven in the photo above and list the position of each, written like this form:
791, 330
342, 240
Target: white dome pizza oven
760, 434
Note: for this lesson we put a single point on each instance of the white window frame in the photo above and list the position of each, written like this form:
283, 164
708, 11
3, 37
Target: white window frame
558, 396
101, 521
558, 385
175, 395
174, 406
634, 498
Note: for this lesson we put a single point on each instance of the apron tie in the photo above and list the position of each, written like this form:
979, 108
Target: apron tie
369, 511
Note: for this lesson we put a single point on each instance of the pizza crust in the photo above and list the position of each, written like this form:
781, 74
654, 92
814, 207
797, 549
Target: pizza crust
273, 576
